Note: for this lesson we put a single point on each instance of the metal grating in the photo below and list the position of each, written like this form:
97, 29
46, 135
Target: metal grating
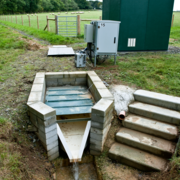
67, 26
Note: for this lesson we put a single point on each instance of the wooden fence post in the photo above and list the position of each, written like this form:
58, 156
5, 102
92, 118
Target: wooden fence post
29, 21
37, 22
22, 19
100, 17
47, 23
78, 24
172, 21
56, 24
16, 19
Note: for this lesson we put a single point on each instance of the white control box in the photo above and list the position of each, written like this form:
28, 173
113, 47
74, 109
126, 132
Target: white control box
80, 60
88, 33
106, 36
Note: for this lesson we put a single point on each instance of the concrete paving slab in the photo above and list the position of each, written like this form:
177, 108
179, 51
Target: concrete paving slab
150, 126
158, 99
155, 112
136, 158
146, 142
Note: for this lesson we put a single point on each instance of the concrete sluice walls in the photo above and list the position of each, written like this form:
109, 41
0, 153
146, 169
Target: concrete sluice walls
44, 118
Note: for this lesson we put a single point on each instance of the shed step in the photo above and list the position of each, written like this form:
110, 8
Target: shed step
158, 99
150, 126
136, 158
146, 142
155, 112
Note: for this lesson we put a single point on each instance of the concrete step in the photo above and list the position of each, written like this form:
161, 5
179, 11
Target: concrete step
155, 112
136, 158
150, 126
146, 142
170, 102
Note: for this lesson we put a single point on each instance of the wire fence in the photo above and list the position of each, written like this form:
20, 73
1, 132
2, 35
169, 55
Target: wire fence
43, 22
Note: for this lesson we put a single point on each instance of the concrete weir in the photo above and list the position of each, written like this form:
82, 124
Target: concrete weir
70, 106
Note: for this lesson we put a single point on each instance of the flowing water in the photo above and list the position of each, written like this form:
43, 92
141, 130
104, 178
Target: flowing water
77, 172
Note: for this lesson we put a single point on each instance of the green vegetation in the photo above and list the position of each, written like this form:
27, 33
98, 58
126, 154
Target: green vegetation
45, 35
175, 30
11, 46
28, 6
9, 40
2, 121
158, 72
9, 161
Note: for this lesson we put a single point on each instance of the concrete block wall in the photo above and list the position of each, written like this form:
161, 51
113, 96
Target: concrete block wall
43, 117
102, 112
38, 89
54, 79
97, 87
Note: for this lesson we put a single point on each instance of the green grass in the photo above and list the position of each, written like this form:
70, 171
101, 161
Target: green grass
9, 161
10, 47
9, 40
175, 30
43, 21
44, 35
159, 72
176, 19
2, 121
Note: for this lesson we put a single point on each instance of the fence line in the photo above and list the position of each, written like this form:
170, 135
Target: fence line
27, 20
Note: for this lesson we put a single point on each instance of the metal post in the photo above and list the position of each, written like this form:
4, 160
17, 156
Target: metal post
95, 61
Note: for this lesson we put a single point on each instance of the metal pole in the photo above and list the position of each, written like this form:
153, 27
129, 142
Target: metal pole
95, 61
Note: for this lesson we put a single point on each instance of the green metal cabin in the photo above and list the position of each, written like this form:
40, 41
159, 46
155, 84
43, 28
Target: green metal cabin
145, 24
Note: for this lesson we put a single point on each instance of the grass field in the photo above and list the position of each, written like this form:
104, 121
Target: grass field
176, 19
42, 19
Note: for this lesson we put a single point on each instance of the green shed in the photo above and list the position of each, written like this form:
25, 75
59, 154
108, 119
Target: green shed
145, 24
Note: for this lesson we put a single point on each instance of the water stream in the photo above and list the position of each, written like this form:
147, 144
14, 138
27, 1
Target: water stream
77, 172
75, 169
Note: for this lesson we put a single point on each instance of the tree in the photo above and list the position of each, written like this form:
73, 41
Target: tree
96, 4
83, 4
70, 5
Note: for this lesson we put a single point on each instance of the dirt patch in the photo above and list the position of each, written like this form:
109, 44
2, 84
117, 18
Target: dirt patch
20, 158
33, 45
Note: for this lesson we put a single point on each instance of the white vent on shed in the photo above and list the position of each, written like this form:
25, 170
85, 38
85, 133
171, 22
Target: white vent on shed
131, 42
